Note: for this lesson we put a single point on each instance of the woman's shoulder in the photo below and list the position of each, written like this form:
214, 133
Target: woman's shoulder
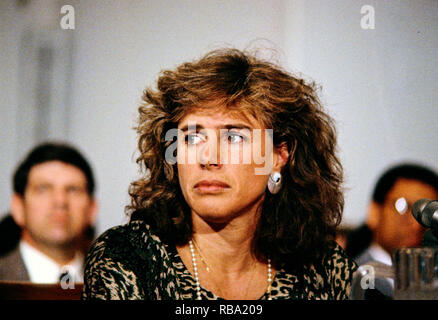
331, 277
337, 259
129, 231
340, 269
122, 263
125, 239
335, 264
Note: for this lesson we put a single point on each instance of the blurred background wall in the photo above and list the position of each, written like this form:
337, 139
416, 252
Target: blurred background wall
83, 85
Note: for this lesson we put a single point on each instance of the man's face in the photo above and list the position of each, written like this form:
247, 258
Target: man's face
397, 227
56, 207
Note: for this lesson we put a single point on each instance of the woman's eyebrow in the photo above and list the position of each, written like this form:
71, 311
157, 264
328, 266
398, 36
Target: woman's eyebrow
236, 126
226, 126
191, 127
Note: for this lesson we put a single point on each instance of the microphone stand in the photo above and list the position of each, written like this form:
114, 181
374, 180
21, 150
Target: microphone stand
430, 238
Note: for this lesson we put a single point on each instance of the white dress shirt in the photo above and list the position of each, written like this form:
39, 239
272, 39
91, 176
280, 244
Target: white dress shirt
42, 269
380, 254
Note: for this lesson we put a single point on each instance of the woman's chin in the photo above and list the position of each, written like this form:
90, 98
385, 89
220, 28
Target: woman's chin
214, 213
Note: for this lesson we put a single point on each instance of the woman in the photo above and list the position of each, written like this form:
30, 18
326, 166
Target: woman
247, 207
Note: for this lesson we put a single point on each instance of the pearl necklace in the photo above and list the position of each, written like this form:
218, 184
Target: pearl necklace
198, 286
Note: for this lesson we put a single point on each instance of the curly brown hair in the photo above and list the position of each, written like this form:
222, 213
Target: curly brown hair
297, 224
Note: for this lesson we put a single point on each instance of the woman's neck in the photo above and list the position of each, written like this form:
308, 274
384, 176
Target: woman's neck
226, 246
224, 257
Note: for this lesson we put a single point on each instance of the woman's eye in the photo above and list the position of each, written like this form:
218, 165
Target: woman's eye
235, 137
192, 139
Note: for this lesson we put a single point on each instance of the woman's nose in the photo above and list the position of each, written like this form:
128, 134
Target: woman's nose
209, 153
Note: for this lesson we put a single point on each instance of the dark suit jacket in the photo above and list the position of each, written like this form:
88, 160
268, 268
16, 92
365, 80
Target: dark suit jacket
12, 267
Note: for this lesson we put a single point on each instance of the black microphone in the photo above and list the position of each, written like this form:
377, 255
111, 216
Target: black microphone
425, 211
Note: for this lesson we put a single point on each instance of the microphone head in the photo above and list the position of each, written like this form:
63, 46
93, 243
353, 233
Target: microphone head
417, 211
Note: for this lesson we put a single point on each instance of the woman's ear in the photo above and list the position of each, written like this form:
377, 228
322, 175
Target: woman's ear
281, 156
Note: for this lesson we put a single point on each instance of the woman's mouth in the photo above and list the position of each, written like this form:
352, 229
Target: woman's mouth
211, 186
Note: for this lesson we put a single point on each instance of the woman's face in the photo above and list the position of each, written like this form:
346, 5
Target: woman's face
224, 161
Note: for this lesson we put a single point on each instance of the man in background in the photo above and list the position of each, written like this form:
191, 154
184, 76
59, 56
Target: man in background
53, 204
390, 222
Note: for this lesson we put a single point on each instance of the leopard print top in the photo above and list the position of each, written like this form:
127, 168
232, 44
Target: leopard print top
130, 262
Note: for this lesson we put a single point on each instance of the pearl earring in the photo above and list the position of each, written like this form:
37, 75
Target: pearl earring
274, 182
